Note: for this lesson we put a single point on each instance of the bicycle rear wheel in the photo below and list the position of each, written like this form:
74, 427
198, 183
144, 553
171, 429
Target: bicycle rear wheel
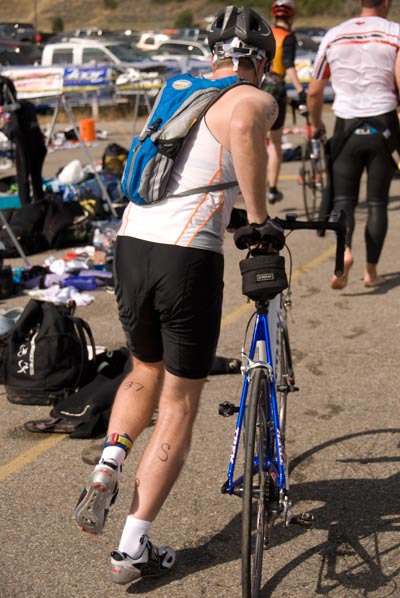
254, 486
312, 178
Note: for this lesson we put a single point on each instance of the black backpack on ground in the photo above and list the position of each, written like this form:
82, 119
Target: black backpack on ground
66, 224
45, 357
26, 224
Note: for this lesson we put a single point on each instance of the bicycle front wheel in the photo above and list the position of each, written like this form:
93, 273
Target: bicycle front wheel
254, 486
312, 180
285, 376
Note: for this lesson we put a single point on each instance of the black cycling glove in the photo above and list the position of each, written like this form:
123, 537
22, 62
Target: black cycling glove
272, 232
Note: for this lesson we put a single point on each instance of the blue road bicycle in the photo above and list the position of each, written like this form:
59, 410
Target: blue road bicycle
268, 378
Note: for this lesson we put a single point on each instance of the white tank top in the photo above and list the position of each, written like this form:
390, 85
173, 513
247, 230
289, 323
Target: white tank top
359, 55
193, 220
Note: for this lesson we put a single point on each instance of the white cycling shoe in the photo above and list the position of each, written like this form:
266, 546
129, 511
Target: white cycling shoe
153, 561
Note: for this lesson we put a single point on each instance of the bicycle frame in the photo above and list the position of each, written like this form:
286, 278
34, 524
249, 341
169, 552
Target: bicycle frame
268, 378
263, 354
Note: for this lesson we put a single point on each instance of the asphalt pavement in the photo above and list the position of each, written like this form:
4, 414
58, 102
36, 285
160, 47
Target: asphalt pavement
343, 441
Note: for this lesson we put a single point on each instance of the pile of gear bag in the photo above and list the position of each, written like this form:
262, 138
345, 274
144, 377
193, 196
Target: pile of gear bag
72, 205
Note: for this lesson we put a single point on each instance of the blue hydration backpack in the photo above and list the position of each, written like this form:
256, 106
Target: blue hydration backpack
180, 104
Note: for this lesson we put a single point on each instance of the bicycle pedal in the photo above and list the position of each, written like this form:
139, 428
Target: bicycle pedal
305, 519
226, 409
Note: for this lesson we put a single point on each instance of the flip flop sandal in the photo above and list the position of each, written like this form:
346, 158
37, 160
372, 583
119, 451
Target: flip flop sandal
54, 425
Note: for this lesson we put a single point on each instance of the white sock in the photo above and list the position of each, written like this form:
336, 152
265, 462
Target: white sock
130, 540
116, 454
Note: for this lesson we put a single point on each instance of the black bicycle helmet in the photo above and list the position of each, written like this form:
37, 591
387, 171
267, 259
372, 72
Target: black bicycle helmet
247, 25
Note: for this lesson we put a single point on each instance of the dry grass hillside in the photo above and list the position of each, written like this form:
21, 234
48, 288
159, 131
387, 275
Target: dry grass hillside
136, 14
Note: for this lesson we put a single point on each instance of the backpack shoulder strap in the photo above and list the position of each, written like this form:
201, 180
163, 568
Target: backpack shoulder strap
216, 186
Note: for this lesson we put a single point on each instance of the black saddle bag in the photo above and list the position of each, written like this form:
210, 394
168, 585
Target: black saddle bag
263, 276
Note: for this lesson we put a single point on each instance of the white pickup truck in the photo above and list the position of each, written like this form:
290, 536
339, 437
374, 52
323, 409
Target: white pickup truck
79, 51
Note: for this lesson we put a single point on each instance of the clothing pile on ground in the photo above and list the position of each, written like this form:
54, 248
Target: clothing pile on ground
71, 277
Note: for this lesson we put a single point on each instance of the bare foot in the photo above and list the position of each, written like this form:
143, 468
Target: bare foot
371, 278
371, 283
340, 282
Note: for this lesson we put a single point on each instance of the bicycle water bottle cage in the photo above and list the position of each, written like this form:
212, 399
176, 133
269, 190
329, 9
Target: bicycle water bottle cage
263, 276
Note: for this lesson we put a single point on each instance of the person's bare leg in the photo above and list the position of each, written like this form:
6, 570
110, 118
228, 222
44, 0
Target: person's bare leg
136, 399
274, 157
371, 278
168, 446
134, 404
340, 282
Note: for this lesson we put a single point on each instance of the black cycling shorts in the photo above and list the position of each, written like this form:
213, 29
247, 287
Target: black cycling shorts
277, 88
169, 302
280, 121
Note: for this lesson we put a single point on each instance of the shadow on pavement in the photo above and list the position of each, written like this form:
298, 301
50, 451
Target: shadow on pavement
358, 514
392, 281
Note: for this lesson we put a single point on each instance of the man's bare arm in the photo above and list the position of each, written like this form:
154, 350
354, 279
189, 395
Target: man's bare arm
315, 102
251, 119
294, 79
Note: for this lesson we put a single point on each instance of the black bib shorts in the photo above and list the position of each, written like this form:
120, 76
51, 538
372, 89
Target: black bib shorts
169, 302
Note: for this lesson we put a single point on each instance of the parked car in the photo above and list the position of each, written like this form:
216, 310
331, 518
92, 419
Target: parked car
24, 32
306, 52
10, 58
192, 33
78, 51
92, 32
178, 48
25, 52
150, 40
314, 33
187, 56
305, 43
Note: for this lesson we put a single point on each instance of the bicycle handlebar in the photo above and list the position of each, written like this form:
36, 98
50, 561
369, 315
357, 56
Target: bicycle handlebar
246, 236
338, 226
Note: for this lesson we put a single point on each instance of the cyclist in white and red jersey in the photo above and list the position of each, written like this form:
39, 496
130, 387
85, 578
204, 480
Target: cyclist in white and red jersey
361, 57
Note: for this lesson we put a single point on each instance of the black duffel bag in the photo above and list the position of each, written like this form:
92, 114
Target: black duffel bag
45, 357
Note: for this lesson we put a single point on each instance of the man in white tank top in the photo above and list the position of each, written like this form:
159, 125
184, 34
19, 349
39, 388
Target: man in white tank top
169, 280
361, 57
